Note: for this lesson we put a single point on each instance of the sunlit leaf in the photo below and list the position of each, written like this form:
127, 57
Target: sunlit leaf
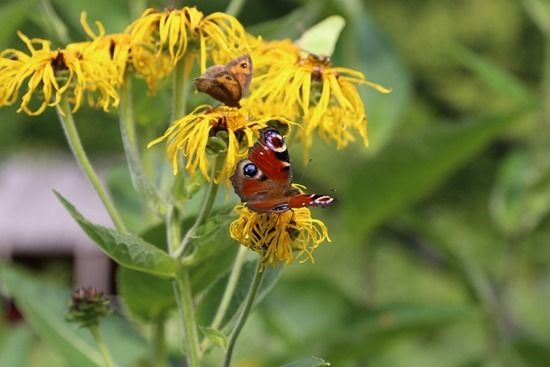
322, 37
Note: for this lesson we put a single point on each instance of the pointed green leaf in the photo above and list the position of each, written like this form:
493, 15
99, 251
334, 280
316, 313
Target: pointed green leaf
322, 37
308, 362
125, 248
215, 336
411, 168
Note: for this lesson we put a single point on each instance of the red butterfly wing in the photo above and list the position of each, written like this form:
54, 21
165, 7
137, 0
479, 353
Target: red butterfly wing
263, 181
271, 157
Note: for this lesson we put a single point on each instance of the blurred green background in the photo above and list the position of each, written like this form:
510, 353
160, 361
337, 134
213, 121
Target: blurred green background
440, 252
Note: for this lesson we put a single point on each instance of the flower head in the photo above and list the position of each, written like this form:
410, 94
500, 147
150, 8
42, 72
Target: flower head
277, 236
87, 306
50, 75
308, 85
218, 130
124, 51
170, 32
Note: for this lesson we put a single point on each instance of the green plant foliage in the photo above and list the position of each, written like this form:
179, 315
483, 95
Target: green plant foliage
126, 249
15, 350
44, 307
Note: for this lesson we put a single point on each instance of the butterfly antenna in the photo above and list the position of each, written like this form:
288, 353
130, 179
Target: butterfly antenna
304, 170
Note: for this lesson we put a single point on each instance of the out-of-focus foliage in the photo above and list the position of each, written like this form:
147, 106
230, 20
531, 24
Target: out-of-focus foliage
440, 253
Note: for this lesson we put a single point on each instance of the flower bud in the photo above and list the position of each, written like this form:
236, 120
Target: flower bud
87, 306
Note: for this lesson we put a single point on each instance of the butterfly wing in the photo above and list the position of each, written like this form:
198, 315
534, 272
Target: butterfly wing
219, 83
263, 179
241, 68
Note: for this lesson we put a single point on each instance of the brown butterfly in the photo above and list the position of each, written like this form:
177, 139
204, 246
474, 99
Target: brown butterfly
227, 83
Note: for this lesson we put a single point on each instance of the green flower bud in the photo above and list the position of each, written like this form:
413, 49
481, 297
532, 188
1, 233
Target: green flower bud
87, 306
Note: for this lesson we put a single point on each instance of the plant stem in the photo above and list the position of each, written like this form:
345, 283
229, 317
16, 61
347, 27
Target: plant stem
140, 181
227, 294
67, 122
206, 207
184, 299
234, 7
94, 329
256, 282
160, 341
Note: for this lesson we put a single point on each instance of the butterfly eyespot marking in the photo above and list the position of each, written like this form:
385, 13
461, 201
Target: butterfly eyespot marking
244, 65
250, 170
275, 141
281, 208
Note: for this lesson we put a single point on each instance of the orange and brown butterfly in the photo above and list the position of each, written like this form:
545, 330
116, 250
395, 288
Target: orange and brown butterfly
227, 83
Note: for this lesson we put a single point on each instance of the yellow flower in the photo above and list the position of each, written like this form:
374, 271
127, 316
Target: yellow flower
277, 236
192, 135
124, 51
308, 85
173, 31
54, 74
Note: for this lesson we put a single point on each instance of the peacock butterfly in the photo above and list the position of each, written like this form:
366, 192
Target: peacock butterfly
227, 83
264, 180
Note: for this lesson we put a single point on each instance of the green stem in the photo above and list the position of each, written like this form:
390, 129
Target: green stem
256, 282
140, 180
58, 28
160, 341
234, 7
184, 299
67, 122
227, 294
206, 207
94, 329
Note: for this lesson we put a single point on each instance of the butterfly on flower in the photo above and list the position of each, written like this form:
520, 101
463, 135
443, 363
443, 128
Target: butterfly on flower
264, 180
227, 83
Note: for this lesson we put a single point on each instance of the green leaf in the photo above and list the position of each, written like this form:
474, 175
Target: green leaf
146, 296
44, 305
539, 10
210, 238
129, 204
291, 25
15, 350
12, 15
322, 37
366, 48
411, 168
308, 362
209, 303
125, 248
215, 336
498, 79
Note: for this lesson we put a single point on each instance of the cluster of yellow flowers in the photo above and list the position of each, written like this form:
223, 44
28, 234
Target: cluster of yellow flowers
291, 86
